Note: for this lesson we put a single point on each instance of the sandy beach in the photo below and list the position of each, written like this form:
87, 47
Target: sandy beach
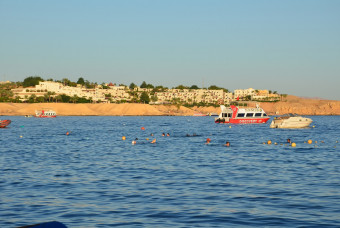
291, 105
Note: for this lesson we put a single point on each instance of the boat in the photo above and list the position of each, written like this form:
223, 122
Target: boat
4, 123
244, 115
45, 113
290, 121
199, 114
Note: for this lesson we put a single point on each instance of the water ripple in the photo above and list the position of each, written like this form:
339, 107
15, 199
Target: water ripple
92, 178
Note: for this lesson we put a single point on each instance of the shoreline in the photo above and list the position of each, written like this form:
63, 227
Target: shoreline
292, 104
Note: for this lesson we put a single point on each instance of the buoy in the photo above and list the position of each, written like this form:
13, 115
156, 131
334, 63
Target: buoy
263, 143
20, 136
123, 138
275, 143
310, 141
133, 142
313, 126
316, 141
269, 142
143, 128
147, 138
293, 144
229, 126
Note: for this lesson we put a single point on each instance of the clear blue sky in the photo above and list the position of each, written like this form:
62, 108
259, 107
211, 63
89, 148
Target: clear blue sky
290, 46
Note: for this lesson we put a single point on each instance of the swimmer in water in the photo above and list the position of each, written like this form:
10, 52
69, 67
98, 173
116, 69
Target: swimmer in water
163, 134
288, 141
208, 141
167, 134
227, 144
153, 141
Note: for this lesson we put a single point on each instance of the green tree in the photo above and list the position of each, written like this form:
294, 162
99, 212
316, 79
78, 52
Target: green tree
132, 86
32, 98
81, 81
40, 99
66, 82
65, 98
213, 87
144, 97
143, 85
74, 98
49, 94
177, 102
32, 81
154, 98
194, 87
58, 98
181, 87
150, 86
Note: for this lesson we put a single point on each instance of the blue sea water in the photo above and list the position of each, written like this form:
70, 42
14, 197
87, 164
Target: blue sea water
93, 178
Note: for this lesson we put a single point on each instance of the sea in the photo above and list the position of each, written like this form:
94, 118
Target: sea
91, 177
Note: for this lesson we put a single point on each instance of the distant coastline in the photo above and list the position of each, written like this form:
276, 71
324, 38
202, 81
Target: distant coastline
292, 104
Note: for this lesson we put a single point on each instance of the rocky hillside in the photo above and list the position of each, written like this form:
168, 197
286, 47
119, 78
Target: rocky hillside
291, 104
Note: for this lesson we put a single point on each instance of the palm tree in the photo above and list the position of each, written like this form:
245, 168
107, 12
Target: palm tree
74, 98
50, 94
58, 98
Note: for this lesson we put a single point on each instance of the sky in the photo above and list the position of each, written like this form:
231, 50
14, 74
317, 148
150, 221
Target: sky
290, 46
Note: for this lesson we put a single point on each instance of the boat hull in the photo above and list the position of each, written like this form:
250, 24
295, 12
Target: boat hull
45, 116
243, 121
4, 123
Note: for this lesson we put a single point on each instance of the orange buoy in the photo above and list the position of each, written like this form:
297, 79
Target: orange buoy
123, 138
143, 128
67, 133
293, 144
310, 141
269, 142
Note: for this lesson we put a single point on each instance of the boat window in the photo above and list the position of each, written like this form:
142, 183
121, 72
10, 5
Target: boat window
224, 114
229, 114
258, 114
264, 114
240, 115
250, 115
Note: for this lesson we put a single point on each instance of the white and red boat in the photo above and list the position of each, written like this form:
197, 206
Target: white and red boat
237, 115
45, 114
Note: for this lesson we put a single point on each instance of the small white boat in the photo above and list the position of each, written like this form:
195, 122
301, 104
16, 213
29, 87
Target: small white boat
290, 121
45, 114
199, 114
